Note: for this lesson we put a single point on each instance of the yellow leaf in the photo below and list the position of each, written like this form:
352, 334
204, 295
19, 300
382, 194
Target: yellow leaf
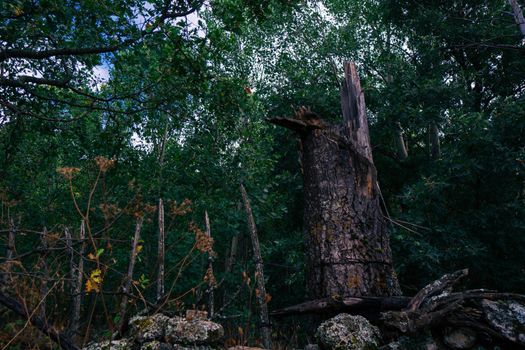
89, 286
94, 283
91, 256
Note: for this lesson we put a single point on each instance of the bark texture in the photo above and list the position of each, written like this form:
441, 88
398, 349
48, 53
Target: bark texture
75, 283
129, 277
266, 332
211, 281
348, 250
160, 258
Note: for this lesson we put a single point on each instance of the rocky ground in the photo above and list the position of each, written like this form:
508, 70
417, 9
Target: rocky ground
342, 332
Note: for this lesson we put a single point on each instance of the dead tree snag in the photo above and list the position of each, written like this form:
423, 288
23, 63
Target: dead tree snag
348, 251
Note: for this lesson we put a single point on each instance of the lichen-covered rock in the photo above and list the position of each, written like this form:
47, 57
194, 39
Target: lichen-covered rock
122, 344
459, 338
156, 345
507, 318
348, 332
181, 331
148, 328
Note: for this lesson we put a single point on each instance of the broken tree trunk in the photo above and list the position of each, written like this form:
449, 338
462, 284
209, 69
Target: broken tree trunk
129, 277
209, 273
348, 250
259, 273
160, 262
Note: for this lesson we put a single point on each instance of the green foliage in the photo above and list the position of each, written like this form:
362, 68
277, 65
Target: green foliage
183, 115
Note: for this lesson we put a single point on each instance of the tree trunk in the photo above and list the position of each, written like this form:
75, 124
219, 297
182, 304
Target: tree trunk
45, 274
402, 152
259, 274
435, 147
518, 16
160, 276
230, 260
348, 250
209, 272
129, 277
10, 243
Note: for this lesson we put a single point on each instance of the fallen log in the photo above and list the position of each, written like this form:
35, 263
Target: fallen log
496, 315
498, 318
346, 304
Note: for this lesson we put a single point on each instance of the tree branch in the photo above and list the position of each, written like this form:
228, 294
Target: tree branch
31, 54
59, 338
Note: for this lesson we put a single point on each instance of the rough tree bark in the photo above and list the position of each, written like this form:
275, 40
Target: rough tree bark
266, 331
160, 258
129, 277
73, 272
348, 251
211, 281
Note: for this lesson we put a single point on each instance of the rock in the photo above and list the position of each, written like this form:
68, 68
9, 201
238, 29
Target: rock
156, 345
459, 338
148, 328
348, 332
182, 331
122, 344
239, 347
507, 318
